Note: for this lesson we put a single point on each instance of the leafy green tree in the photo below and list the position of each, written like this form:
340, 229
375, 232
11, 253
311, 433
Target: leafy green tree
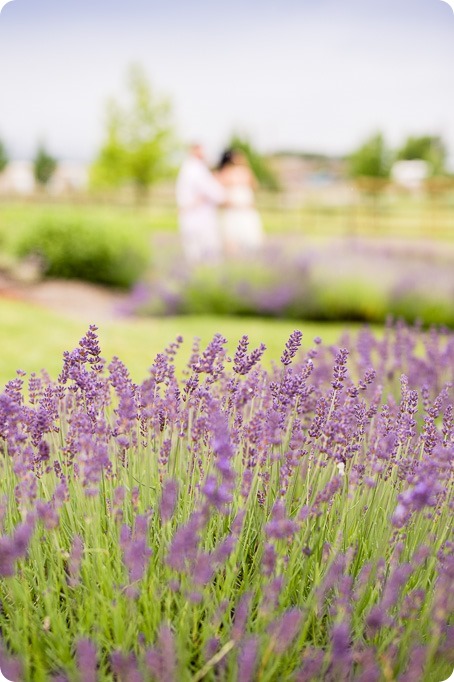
44, 166
372, 159
3, 157
139, 139
259, 166
370, 167
429, 148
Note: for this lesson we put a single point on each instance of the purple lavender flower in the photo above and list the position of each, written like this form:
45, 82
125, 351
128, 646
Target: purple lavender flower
11, 667
47, 514
247, 659
211, 360
136, 552
448, 425
194, 596
35, 385
75, 560
370, 671
224, 549
222, 444
415, 499
416, 665
241, 616
313, 662
119, 496
203, 569
271, 594
82, 370
161, 660
284, 629
341, 654
125, 667
15, 547
280, 525
340, 369
422, 495
242, 362
86, 660
43, 451
218, 496
183, 547
269, 559
291, 347
327, 493
169, 499
127, 410
394, 584
212, 647
376, 619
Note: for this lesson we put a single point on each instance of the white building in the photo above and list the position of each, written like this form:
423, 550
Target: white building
69, 177
410, 174
17, 178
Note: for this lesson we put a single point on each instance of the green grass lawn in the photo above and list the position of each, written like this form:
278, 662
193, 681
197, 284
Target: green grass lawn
33, 338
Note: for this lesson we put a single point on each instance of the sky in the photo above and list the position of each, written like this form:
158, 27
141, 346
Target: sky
312, 75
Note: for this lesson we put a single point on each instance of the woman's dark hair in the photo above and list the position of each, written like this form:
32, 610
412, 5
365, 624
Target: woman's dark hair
226, 158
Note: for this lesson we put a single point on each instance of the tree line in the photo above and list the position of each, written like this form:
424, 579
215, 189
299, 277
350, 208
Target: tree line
44, 165
140, 147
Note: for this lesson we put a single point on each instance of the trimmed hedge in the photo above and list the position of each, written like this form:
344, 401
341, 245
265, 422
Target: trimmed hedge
75, 249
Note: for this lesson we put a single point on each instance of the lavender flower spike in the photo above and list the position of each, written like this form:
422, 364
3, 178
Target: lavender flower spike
291, 347
86, 660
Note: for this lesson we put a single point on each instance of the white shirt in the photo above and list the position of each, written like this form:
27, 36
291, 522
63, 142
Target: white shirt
196, 186
198, 195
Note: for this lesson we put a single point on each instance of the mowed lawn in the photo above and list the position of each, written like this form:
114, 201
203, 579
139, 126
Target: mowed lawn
392, 217
33, 338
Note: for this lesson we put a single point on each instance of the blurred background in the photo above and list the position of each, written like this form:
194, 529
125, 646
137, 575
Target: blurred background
342, 110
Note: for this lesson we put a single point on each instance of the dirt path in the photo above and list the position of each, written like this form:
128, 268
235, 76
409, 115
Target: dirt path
86, 302
74, 299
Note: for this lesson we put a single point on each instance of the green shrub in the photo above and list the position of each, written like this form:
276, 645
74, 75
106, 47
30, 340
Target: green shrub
75, 249
350, 298
229, 290
425, 307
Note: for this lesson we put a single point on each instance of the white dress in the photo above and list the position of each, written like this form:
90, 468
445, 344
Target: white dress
240, 222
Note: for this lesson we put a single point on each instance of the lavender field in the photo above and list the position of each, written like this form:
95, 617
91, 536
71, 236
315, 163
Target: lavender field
344, 280
232, 522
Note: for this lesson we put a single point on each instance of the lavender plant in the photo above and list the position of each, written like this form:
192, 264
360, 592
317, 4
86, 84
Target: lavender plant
232, 524
351, 280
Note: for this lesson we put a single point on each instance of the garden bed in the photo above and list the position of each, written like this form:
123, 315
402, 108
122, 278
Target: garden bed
237, 523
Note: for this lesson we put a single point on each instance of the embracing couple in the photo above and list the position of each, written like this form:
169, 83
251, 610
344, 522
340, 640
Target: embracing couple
217, 212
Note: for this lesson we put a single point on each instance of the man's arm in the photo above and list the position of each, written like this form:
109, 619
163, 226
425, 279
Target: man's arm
210, 188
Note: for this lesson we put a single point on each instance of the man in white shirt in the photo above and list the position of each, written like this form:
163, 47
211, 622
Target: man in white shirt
198, 196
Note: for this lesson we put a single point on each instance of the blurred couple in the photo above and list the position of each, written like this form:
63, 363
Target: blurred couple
217, 211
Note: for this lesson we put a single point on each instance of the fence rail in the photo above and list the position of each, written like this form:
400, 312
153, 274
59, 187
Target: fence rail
391, 214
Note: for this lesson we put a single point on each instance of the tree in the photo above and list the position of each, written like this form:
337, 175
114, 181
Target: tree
3, 157
139, 139
429, 148
370, 166
373, 159
262, 171
44, 166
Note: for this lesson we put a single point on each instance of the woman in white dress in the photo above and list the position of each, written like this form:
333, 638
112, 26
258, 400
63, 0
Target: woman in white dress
241, 226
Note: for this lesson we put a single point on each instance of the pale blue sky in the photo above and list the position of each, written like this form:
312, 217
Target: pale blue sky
305, 74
